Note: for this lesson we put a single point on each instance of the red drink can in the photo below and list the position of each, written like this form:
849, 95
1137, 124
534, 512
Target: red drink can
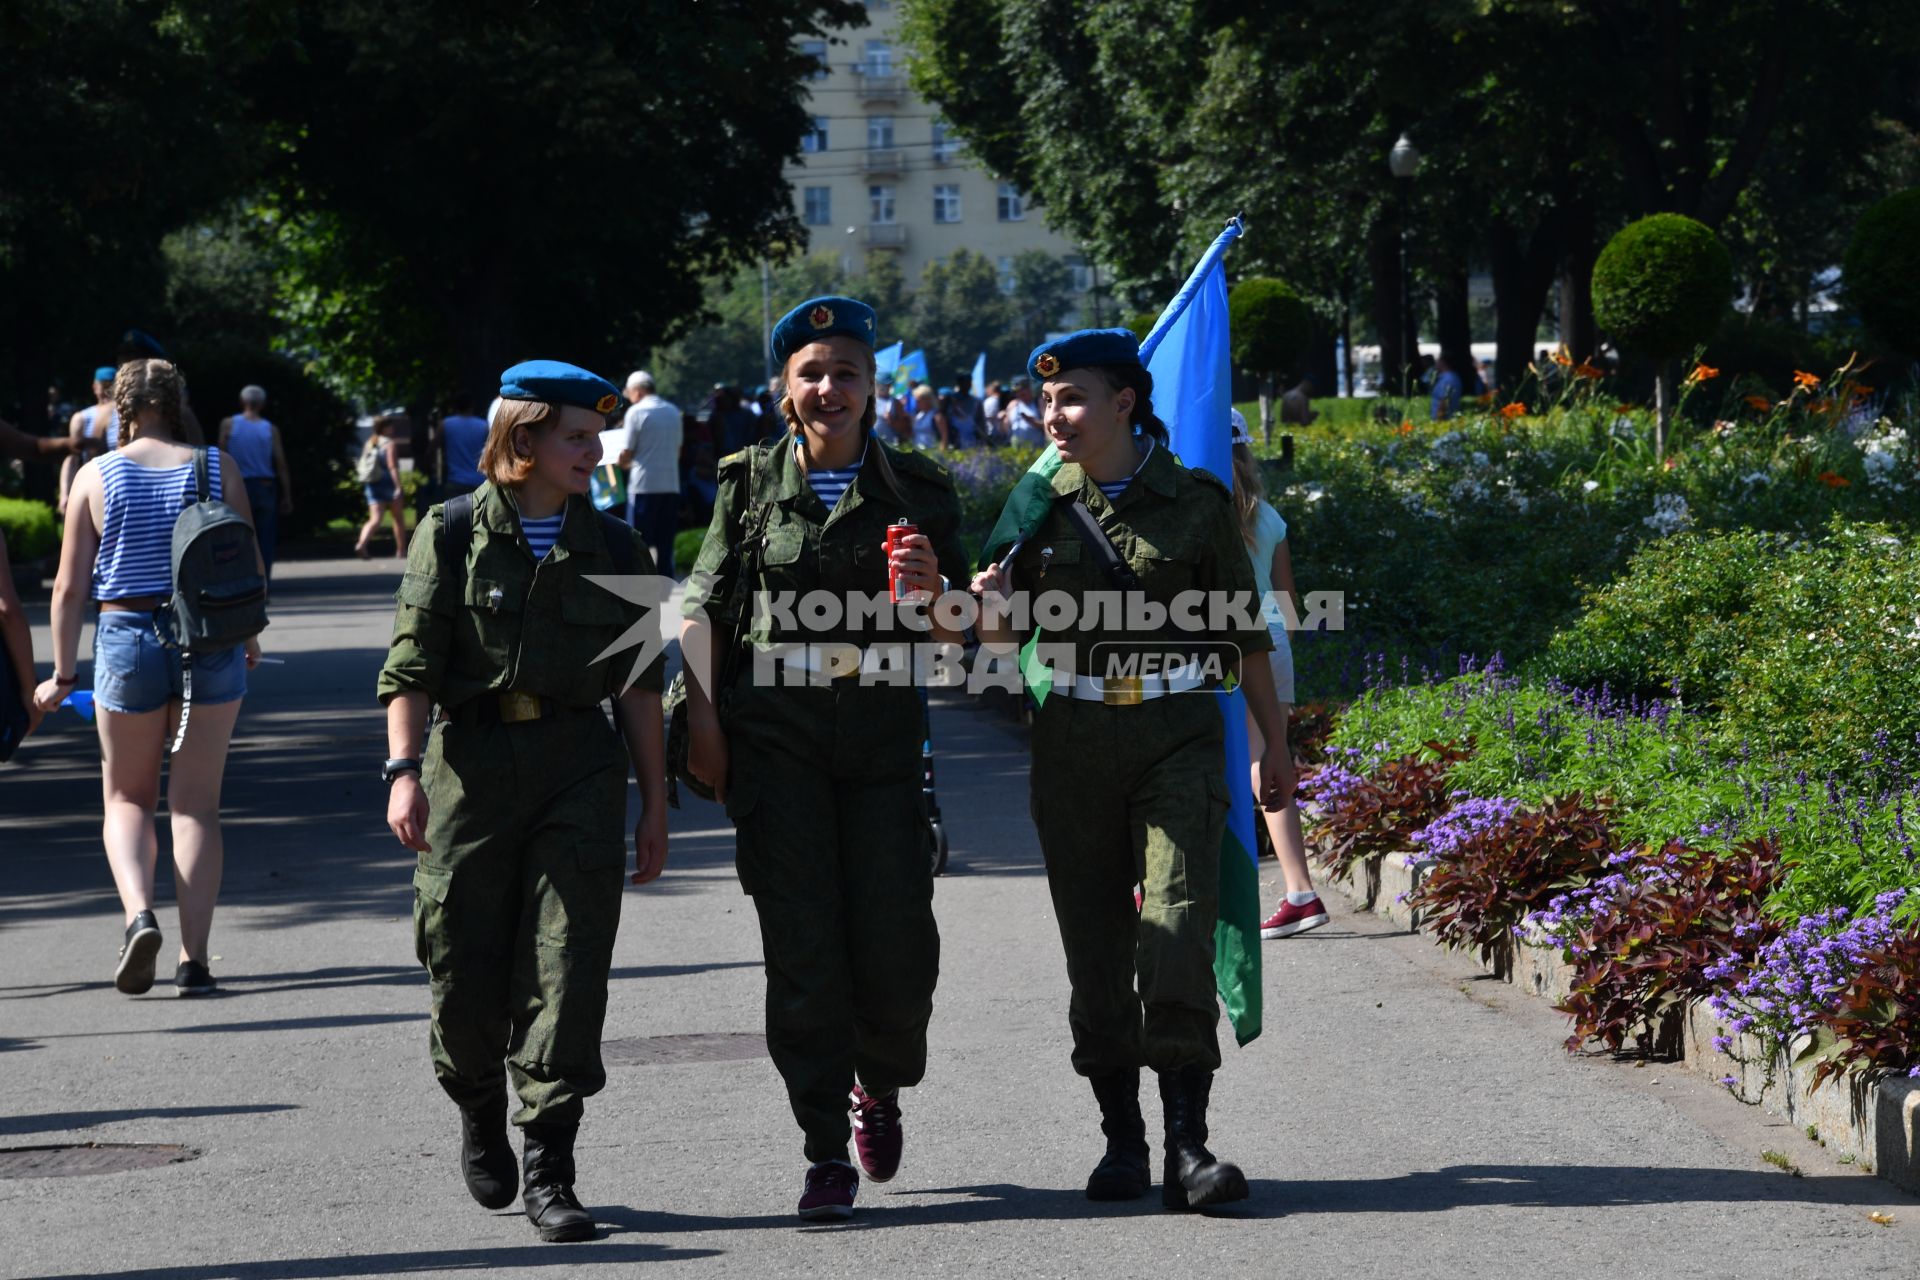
897, 533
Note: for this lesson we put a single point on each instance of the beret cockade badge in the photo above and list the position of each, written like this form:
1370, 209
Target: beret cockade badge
821, 316
607, 402
1047, 365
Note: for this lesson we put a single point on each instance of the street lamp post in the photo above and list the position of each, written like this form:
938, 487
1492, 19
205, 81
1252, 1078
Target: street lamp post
1404, 162
766, 322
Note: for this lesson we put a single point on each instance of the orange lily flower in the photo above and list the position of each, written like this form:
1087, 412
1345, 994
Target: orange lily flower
1759, 402
1514, 410
1833, 480
1804, 380
1702, 372
1585, 370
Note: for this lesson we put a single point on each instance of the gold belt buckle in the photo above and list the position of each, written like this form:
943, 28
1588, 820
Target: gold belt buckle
515, 707
1122, 691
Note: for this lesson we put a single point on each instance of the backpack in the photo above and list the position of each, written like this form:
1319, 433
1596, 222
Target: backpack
219, 596
369, 465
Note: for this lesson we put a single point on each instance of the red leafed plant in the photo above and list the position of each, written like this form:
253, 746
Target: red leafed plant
1643, 939
1309, 725
1875, 1031
1489, 882
1357, 817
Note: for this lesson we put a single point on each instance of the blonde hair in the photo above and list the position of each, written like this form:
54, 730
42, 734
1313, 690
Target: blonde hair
147, 384
1248, 490
791, 416
500, 462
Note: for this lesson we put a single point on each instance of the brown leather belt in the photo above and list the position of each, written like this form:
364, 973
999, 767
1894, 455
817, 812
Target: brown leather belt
503, 708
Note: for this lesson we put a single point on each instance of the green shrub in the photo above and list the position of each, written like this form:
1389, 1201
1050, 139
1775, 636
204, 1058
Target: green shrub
1882, 270
1661, 286
1271, 326
30, 529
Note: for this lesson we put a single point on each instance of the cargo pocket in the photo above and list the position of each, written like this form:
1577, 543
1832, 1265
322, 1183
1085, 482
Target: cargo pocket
430, 889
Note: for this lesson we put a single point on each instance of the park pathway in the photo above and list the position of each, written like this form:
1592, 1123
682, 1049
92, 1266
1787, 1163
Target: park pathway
1402, 1116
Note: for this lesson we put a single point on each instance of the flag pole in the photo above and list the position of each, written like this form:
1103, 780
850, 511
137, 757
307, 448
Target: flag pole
1216, 251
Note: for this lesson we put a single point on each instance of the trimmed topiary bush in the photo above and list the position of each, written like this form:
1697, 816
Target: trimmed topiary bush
29, 527
1661, 286
1271, 325
1882, 270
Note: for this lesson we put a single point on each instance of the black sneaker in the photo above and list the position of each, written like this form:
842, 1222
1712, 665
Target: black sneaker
134, 976
193, 979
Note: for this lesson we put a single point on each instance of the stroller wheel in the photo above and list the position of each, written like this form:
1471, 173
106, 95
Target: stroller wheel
939, 847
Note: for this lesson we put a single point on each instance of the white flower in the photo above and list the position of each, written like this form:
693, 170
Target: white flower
1670, 514
1590, 485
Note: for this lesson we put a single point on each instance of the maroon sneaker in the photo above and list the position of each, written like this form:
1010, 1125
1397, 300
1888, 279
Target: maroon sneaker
1289, 919
876, 1133
829, 1191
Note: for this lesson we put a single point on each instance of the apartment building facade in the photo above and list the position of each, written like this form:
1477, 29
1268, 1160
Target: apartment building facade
881, 173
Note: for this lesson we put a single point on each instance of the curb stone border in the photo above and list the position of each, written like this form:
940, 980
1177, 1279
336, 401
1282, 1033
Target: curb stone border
1875, 1128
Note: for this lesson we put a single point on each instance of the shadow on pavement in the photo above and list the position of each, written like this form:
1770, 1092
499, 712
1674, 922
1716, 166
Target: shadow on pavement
314, 1023
52, 1121
1563, 1187
565, 1257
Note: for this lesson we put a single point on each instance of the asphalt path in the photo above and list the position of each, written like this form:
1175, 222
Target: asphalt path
1402, 1115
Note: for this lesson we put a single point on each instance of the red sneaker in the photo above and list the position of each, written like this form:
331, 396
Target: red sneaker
829, 1191
876, 1133
1289, 919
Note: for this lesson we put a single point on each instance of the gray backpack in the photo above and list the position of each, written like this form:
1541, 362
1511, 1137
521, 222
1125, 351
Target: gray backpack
219, 598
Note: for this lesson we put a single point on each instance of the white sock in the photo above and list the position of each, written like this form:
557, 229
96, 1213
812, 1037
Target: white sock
1301, 899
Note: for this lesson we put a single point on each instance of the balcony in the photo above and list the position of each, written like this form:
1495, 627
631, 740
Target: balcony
877, 161
880, 86
884, 235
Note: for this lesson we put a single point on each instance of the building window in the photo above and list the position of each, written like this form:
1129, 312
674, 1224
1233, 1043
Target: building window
814, 140
818, 206
880, 204
1005, 266
945, 145
1013, 205
879, 58
1082, 273
946, 202
817, 50
880, 131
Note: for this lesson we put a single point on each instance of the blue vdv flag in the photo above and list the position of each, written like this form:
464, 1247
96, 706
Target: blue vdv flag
1189, 353
979, 382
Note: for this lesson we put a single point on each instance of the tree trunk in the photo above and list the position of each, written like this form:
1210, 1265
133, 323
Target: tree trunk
1383, 264
1577, 327
1523, 275
1662, 405
1346, 336
1266, 408
1454, 324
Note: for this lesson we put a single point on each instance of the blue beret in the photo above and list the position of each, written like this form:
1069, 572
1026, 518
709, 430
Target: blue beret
557, 382
1078, 350
145, 343
104, 373
818, 318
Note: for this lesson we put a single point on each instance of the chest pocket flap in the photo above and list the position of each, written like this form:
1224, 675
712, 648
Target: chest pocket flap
785, 542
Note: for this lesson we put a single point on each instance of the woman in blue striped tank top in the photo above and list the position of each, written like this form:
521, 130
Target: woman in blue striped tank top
119, 533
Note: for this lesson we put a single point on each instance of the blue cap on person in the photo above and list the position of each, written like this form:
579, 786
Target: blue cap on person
557, 382
1086, 347
138, 344
818, 318
104, 373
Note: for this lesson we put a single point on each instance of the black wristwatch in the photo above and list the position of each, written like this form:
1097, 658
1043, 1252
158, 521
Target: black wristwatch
394, 768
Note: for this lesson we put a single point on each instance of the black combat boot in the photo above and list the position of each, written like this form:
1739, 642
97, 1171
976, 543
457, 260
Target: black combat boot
1193, 1177
486, 1157
1123, 1173
548, 1196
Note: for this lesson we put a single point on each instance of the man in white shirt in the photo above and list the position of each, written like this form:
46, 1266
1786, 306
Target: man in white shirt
1023, 417
652, 459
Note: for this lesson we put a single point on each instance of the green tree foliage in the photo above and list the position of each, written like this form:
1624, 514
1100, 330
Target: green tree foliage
1042, 294
958, 312
1882, 271
731, 349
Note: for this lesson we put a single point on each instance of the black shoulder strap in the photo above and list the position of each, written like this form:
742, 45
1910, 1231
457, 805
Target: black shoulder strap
456, 528
202, 482
1101, 546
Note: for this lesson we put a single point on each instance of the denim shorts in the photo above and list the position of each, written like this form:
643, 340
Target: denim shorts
134, 673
